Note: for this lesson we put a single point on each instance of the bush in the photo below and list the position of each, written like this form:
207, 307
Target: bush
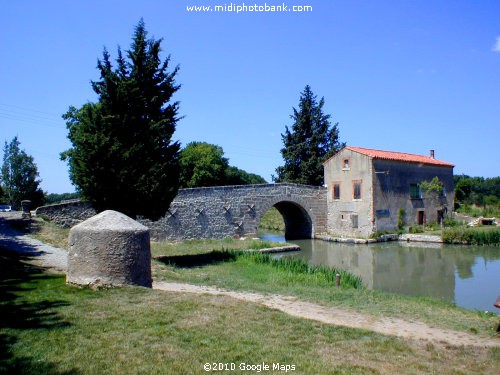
472, 236
491, 211
432, 226
416, 229
450, 222
401, 218
476, 211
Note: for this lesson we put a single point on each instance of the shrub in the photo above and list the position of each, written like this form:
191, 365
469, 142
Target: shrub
401, 218
472, 236
416, 229
432, 226
450, 222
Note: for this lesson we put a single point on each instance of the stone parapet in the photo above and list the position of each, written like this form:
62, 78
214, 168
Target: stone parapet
221, 211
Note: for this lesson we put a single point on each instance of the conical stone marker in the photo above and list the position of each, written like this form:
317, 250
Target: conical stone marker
109, 249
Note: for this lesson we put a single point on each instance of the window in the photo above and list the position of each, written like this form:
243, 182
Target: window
345, 164
420, 217
354, 220
336, 190
415, 191
356, 189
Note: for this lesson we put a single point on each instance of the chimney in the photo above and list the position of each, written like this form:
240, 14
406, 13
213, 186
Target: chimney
432, 154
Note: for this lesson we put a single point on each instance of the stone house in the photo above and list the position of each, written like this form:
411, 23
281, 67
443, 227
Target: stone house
368, 190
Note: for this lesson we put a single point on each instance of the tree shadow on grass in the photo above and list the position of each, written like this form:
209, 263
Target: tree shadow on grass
198, 260
18, 313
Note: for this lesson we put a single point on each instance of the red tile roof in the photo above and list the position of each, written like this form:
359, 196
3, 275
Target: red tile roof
399, 156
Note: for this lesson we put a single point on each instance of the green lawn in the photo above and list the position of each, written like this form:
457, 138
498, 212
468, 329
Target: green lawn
48, 327
244, 274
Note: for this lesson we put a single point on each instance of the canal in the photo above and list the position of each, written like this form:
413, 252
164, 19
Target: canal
468, 276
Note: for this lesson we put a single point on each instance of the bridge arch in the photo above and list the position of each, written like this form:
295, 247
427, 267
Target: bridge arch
298, 222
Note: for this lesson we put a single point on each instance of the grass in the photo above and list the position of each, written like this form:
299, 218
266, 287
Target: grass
477, 211
487, 235
298, 266
245, 274
208, 245
46, 232
48, 327
49, 233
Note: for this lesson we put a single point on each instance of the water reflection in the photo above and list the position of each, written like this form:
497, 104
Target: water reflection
466, 275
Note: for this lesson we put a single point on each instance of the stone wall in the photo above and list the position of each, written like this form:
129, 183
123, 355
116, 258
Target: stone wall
235, 211
222, 211
66, 214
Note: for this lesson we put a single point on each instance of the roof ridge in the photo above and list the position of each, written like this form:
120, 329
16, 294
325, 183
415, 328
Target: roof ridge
398, 156
394, 152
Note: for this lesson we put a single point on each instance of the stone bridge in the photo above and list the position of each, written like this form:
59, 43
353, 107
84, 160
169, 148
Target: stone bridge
235, 211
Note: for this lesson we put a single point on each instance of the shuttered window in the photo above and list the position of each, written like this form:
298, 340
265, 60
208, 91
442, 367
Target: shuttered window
415, 191
336, 191
356, 189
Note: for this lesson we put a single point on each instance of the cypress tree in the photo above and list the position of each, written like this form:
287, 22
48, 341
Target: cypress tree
309, 143
123, 157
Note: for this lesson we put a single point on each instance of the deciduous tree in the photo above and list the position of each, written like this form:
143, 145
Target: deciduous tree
202, 164
20, 176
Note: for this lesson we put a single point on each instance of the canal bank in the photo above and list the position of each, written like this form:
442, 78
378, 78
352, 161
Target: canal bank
467, 276
406, 237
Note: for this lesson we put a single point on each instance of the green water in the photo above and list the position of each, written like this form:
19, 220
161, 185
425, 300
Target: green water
468, 276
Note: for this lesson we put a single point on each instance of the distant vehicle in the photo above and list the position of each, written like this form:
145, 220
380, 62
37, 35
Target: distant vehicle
5, 208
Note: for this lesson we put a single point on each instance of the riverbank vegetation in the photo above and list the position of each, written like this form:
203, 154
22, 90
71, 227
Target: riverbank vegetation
477, 196
485, 235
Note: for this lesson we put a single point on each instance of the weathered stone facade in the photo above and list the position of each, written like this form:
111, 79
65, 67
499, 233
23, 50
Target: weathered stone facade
392, 192
223, 211
366, 191
343, 211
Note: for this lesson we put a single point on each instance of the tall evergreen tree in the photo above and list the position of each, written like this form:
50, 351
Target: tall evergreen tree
123, 157
309, 143
20, 176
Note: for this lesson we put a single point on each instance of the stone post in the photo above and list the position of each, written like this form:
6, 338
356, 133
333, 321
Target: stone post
109, 249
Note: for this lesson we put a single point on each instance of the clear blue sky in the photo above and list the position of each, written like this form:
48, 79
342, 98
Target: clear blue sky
397, 75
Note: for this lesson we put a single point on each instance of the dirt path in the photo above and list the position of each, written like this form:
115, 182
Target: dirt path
330, 315
41, 253
56, 259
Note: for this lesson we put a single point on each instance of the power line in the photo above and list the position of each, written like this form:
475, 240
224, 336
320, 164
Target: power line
28, 109
39, 123
32, 117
